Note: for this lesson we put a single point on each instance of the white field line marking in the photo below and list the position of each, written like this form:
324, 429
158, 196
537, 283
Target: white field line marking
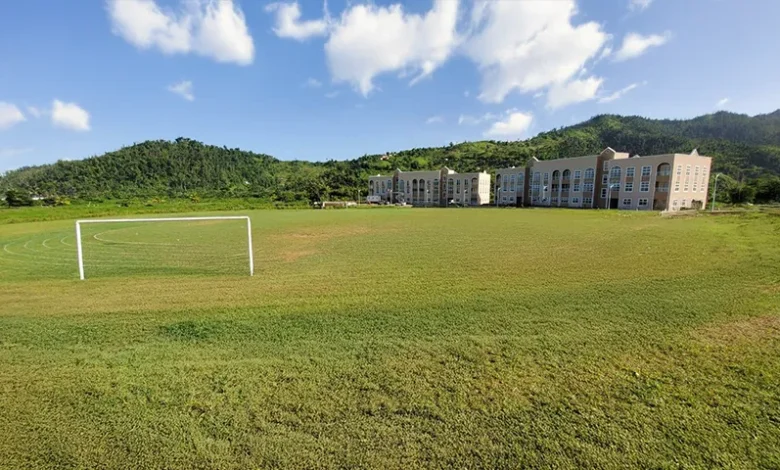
62, 240
27, 243
118, 242
44, 242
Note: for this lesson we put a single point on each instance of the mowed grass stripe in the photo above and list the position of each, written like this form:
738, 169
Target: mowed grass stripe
405, 339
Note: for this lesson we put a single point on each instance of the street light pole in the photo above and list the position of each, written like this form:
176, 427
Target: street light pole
715, 192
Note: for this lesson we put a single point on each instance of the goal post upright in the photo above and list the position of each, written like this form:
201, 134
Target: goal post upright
249, 241
78, 249
80, 252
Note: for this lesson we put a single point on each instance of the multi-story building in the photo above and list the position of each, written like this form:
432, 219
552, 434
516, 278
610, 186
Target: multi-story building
608, 180
616, 180
431, 188
510, 187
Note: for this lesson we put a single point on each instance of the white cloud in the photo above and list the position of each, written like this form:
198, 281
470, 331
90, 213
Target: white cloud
529, 45
474, 120
574, 91
69, 116
211, 28
312, 83
619, 94
635, 45
434, 120
331, 94
35, 112
512, 126
183, 89
368, 40
288, 24
639, 5
14, 152
722, 103
10, 115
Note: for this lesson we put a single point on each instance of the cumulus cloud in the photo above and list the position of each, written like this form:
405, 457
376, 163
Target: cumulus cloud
469, 120
513, 125
10, 115
183, 89
529, 45
574, 91
634, 45
434, 120
619, 94
639, 5
35, 111
289, 24
369, 40
69, 116
722, 103
312, 83
332, 94
211, 28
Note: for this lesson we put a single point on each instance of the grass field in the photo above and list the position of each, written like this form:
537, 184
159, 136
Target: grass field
394, 339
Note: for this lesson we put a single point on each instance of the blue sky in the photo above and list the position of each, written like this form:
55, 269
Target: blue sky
317, 81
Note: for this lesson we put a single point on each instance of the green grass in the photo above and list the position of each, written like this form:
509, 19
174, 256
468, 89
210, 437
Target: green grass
395, 339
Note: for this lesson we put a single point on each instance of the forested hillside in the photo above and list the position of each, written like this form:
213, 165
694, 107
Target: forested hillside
745, 148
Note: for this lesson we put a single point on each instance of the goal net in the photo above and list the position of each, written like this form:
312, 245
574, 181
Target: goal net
169, 246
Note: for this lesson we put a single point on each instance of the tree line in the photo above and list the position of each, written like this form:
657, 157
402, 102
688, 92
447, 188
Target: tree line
745, 149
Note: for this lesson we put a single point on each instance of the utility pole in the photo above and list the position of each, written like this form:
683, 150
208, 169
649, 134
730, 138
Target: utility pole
715, 192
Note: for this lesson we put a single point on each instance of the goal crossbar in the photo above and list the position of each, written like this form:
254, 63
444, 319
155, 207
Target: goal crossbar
164, 219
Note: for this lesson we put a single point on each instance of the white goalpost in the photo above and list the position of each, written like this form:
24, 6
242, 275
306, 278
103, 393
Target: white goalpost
163, 219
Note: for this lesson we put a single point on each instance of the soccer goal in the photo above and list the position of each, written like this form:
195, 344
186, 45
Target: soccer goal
174, 243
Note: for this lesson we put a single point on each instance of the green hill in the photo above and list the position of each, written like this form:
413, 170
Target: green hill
745, 148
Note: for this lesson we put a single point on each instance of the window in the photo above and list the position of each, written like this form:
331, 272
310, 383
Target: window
577, 174
575, 200
565, 187
566, 174
644, 186
604, 178
664, 169
630, 172
662, 187
503, 198
675, 203
605, 166
408, 188
401, 187
554, 200
589, 173
677, 186
546, 178
696, 179
645, 171
587, 201
627, 202
450, 185
685, 186
536, 177
679, 170
576, 188
687, 170
512, 183
603, 193
457, 186
682, 203
629, 187
383, 187
643, 202
588, 187
704, 180
564, 201
614, 188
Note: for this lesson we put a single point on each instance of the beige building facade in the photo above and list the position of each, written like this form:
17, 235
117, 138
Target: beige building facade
610, 179
431, 188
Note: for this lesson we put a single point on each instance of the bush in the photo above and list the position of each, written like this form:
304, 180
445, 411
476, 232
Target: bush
18, 198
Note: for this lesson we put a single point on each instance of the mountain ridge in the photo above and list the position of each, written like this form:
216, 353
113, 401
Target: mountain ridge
744, 147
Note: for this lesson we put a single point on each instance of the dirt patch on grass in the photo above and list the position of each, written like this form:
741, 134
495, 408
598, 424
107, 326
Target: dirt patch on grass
294, 255
327, 233
745, 330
